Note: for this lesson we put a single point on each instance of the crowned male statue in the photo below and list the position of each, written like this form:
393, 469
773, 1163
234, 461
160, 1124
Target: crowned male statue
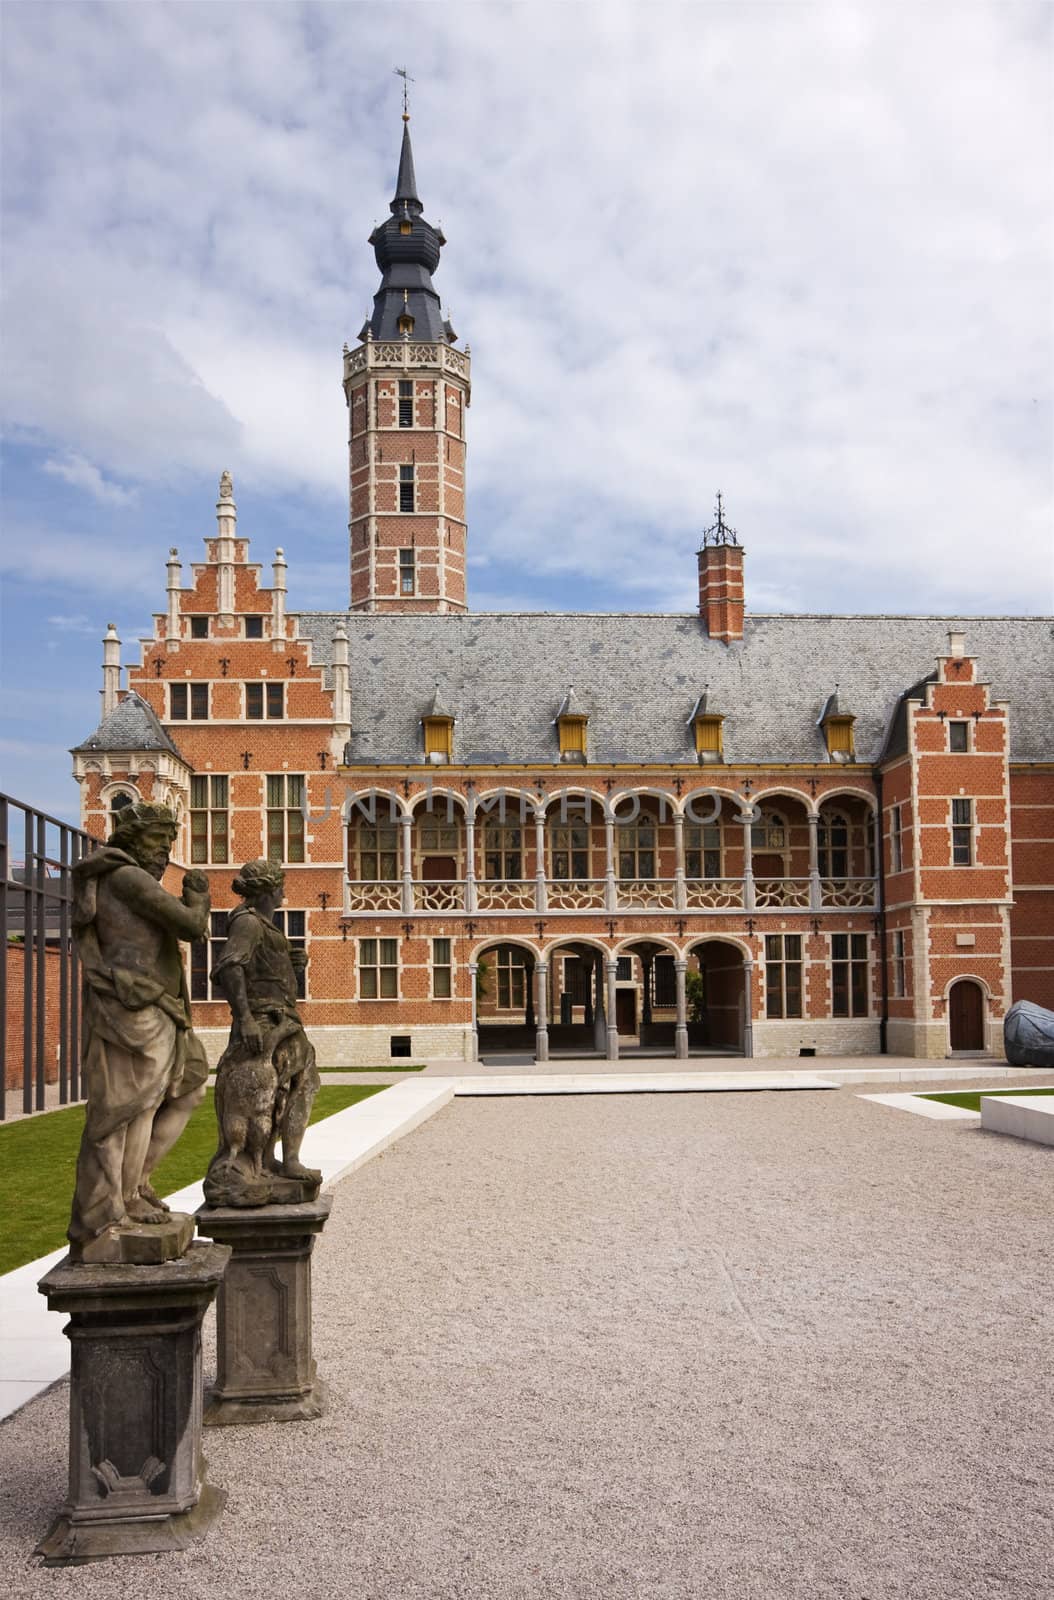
266, 1079
144, 1070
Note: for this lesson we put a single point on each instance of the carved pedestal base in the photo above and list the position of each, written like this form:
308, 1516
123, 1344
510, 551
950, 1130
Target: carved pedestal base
137, 1474
265, 1369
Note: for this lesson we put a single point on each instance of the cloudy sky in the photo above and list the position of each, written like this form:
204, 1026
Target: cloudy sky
797, 253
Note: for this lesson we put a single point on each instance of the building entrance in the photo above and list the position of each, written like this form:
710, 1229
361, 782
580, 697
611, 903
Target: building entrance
966, 1015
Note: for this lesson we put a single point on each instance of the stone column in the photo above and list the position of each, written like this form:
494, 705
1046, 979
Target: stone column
528, 1014
680, 897
647, 964
173, 584
748, 861
111, 669
610, 891
473, 968
540, 898
137, 1480
470, 857
748, 1011
588, 1010
600, 1021
541, 1038
265, 1371
611, 966
815, 893
278, 591
406, 853
227, 526
680, 1036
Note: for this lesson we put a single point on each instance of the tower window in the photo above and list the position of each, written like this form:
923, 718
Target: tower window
406, 568
406, 403
962, 832
406, 227
406, 488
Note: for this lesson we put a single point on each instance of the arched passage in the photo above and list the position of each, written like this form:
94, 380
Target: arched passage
717, 997
505, 991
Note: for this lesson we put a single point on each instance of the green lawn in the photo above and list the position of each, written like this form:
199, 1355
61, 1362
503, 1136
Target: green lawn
38, 1160
383, 1066
970, 1099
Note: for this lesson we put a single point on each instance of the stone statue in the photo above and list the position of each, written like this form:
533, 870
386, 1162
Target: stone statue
266, 1079
144, 1069
226, 486
1028, 1035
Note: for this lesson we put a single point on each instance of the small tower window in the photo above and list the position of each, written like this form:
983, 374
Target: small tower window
406, 572
405, 228
406, 403
406, 488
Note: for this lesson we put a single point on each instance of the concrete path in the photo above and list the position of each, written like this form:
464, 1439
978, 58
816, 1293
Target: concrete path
649, 1347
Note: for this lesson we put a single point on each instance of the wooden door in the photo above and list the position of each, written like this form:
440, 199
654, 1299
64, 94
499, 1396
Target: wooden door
626, 1011
966, 1015
439, 869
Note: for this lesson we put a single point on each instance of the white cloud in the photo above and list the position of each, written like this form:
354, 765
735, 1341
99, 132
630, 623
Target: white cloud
84, 475
800, 254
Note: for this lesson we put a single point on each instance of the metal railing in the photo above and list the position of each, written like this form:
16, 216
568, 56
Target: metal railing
39, 970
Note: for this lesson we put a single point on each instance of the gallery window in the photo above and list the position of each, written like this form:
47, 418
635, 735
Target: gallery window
502, 852
636, 849
378, 853
702, 850
569, 852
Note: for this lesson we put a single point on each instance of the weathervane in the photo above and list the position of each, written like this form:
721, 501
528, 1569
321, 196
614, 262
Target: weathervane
401, 72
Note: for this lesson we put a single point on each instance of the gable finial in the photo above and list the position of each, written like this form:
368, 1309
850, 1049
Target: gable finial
719, 531
401, 72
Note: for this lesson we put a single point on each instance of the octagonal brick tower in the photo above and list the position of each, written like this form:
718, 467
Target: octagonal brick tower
407, 390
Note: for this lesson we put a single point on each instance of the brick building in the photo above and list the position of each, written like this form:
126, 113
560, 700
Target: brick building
719, 832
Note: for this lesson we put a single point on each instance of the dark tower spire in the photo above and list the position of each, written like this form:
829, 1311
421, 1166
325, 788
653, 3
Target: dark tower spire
407, 251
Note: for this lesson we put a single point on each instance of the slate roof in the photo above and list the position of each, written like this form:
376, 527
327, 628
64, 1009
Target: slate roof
640, 677
131, 725
406, 262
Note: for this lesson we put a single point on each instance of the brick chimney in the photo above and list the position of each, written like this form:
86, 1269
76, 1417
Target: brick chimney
721, 581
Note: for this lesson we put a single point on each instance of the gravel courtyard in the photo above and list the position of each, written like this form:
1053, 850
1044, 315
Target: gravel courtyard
708, 1345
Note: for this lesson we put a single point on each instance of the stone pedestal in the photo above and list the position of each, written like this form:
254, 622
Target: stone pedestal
265, 1369
137, 1475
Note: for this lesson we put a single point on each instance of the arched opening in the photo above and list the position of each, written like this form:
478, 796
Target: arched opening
505, 1011
966, 1008
717, 998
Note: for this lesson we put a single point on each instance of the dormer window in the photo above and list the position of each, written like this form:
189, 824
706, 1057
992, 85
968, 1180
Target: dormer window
406, 323
838, 732
439, 739
709, 737
571, 722
405, 228
837, 726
